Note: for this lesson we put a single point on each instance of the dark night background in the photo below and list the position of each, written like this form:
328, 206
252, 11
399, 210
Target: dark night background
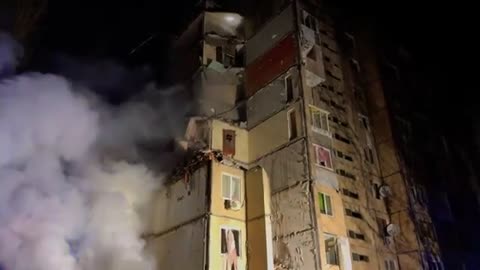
439, 35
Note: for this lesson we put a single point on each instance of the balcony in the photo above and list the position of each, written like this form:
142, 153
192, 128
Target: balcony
307, 40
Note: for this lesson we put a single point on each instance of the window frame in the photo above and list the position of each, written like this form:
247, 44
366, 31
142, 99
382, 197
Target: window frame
328, 237
328, 207
226, 227
231, 176
317, 163
320, 130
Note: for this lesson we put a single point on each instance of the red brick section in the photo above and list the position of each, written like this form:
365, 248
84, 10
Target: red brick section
270, 65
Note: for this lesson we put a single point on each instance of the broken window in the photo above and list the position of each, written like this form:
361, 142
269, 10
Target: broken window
231, 188
230, 242
289, 88
292, 125
325, 204
322, 156
319, 120
228, 142
331, 250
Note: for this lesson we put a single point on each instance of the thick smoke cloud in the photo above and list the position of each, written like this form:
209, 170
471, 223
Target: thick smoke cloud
74, 184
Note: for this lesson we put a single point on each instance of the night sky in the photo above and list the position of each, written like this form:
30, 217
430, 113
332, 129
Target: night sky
439, 35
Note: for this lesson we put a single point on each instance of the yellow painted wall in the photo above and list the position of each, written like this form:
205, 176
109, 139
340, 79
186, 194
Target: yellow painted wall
217, 204
260, 253
241, 139
217, 260
330, 224
373, 262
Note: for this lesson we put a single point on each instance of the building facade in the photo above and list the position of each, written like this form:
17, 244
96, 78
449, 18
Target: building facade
291, 160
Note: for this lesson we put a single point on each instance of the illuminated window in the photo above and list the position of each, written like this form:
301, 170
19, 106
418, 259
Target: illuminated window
325, 204
231, 188
322, 156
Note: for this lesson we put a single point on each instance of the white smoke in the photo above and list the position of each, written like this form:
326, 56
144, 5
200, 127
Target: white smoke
64, 204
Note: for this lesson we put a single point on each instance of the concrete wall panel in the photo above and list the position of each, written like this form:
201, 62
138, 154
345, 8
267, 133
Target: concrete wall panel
270, 34
270, 99
186, 242
270, 65
280, 169
173, 205
295, 251
291, 210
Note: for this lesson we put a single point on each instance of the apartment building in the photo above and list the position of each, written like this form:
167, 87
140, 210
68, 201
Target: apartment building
291, 161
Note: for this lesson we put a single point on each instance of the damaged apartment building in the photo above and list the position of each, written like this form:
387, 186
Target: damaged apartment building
291, 161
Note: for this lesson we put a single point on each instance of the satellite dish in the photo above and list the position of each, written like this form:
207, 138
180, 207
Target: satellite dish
385, 191
392, 229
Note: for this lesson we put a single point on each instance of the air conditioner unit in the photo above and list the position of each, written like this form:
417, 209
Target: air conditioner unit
232, 205
392, 229
385, 191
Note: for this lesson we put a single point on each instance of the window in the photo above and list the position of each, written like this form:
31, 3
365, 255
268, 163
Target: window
376, 191
309, 21
364, 122
355, 235
228, 142
322, 156
359, 257
230, 241
292, 125
370, 155
389, 265
419, 193
340, 154
325, 204
231, 188
345, 174
382, 227
219, 54
289, 88
319, 120
331, 251
341, 138
349, 193
352, 213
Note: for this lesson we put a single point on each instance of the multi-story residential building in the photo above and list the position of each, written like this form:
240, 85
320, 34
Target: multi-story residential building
291, 160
